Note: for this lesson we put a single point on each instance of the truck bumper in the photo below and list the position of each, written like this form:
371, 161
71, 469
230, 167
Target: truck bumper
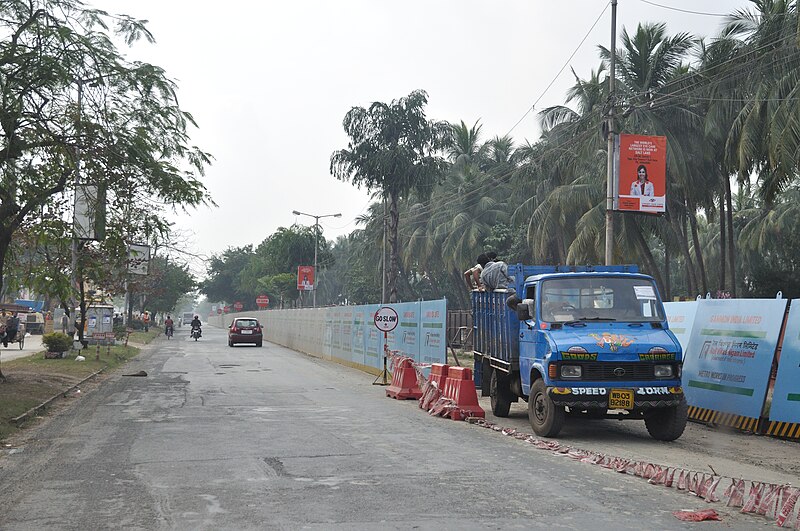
598, 397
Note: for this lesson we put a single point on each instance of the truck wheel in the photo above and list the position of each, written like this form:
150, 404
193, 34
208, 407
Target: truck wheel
545, 417
667, 424
500, 394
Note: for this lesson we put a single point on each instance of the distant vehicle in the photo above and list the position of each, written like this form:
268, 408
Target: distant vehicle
245, 330
185, 318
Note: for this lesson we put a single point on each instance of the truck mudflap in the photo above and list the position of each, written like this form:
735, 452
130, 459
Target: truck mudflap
618, 397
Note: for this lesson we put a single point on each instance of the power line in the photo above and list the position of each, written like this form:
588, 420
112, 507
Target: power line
684, 10
561, 70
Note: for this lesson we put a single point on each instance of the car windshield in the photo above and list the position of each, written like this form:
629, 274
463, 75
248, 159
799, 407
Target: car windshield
245, 323
600, 299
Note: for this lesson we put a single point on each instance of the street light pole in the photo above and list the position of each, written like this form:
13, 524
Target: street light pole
316, 245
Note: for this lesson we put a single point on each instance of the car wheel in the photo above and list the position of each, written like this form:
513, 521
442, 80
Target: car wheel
230, 343
258, 344
500, 393
667, 424
545, 417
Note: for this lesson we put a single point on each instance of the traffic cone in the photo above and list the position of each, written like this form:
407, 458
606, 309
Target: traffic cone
404, 381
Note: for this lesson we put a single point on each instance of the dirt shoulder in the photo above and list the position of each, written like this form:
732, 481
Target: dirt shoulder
701, 448
32, 380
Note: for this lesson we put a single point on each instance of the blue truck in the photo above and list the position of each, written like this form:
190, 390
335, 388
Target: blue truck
579, 341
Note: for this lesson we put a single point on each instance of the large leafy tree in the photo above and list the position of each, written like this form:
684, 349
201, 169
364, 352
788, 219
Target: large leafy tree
75, 110
394, 150
222, 282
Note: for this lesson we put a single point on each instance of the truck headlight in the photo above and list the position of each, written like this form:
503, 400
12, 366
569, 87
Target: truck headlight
571, 371
663, 371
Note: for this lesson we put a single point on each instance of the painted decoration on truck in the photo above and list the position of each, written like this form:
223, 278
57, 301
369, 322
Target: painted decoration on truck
786, 394
729, 355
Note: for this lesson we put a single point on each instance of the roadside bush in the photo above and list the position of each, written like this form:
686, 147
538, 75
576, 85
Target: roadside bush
57, 342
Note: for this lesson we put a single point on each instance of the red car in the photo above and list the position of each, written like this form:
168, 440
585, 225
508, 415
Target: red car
245, 330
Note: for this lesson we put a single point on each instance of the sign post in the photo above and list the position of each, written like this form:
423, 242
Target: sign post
385, 320
262, 301
238, 306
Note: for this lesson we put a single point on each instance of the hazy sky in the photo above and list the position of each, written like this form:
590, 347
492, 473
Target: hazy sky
269, 83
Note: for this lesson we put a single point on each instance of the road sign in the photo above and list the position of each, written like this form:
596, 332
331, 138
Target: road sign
386, 319
238, 306
262, 301
305, 278
219, 311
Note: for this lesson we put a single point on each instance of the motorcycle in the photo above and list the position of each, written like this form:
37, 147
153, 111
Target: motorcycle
196, 333
169, 332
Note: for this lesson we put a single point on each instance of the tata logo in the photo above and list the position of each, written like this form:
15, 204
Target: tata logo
619, 372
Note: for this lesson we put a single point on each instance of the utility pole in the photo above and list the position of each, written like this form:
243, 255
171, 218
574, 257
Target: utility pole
316, 244
383, 257
610, 164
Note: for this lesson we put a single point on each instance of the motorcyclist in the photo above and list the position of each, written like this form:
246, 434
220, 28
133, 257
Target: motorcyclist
197, 325
169, 325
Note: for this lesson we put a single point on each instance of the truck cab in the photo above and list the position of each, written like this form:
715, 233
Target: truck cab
589, 342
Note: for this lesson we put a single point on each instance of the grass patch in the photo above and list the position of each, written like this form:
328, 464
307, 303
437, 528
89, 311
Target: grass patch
144, 338
465, 357
31, 380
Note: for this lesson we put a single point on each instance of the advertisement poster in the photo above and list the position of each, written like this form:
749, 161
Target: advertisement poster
680, 317
729, 354
786, 394
432, 330
641, 174
305, 278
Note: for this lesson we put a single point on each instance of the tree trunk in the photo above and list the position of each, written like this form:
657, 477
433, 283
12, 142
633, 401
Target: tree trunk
722, 234
698, 251
394, 222
683, 239
668, 286
646, 255
731, 249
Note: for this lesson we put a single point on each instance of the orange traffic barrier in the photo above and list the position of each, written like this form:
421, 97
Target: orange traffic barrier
432, 390
461, 389
404, 381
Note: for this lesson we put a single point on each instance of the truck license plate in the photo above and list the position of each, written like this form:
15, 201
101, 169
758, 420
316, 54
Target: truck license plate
620, 399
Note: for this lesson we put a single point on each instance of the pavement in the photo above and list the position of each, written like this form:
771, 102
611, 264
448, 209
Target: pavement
32, 344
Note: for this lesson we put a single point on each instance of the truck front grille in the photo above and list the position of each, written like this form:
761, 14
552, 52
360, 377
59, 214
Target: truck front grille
604, 371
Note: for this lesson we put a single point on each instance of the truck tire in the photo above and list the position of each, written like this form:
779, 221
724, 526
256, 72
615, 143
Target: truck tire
545, 417
500, 393
667, 424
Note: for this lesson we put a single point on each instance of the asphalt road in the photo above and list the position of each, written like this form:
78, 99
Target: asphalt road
267, 438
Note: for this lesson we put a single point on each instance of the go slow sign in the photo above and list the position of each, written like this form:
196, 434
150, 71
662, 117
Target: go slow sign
386, 319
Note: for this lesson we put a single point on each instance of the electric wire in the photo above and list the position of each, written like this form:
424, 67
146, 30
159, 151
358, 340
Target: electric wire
586, 36
684, 10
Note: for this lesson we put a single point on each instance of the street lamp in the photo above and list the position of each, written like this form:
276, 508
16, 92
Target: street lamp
316, 244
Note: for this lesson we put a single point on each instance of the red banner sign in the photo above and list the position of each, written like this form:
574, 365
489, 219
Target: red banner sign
305, 278
641, 174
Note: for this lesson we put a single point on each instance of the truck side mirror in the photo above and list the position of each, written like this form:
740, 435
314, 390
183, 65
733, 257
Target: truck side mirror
522, 312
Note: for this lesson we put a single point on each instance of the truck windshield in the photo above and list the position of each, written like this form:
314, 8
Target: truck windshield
600, 299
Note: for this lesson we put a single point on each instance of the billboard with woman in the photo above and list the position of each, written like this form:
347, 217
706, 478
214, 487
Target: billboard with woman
641, 174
